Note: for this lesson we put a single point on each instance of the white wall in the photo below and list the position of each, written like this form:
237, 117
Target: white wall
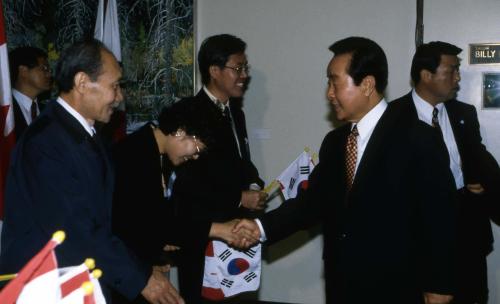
286, 107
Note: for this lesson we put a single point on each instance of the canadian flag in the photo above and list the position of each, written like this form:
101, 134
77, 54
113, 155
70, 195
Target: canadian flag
7, 137
37, 282
229, 272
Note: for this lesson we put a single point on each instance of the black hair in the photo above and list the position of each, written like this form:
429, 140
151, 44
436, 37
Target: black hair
428, 57
24, 56
215, 50
189, 116
83, 56
368, 58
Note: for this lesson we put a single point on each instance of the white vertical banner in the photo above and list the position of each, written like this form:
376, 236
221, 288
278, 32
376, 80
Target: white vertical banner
107, 29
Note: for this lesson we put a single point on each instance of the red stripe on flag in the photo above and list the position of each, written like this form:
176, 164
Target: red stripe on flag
2, 22
74, 283
40, 264
7, 137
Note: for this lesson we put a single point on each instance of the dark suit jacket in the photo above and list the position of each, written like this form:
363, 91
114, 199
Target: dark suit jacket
478, 166
393, 235
60, 179
20, 123
142, 217
209, 189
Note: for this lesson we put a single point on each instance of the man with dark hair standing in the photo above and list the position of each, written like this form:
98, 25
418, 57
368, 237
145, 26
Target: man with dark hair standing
384, 196
61, 179
223, 184
30, 76
435, 75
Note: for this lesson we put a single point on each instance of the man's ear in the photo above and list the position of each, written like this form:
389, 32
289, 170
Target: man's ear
214, 71
21, 70
425, 75
81, 81
368, 85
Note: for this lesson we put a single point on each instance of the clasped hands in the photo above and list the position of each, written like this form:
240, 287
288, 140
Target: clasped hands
238, 233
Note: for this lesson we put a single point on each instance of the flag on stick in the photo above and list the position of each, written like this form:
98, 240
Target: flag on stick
296, 175
78, 285
7, 137
37, 282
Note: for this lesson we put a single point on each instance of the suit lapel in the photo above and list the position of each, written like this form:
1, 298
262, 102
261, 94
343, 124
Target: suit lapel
374, 148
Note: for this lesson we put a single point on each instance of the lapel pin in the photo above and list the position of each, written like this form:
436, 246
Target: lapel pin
462, 122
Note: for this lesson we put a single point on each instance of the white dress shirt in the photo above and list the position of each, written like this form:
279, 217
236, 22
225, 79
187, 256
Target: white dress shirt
24, 103
88, 127
365, 129
424, 111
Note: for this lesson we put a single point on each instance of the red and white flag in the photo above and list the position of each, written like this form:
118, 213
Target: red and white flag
7, 137
229, 272
38, 281
78, 285
296, 175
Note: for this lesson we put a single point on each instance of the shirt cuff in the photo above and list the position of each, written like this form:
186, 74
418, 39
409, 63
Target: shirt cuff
255, 187
263, 237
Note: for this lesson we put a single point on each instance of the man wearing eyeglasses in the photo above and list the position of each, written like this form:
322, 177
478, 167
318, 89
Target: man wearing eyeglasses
223, 184
30, 76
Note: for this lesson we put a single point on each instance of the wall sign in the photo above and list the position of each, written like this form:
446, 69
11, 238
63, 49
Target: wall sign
484, 53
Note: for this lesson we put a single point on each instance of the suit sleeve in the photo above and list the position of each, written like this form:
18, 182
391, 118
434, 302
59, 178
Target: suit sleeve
486, 169
63, 200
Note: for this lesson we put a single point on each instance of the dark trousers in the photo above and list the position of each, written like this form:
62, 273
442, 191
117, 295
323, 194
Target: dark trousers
474, 244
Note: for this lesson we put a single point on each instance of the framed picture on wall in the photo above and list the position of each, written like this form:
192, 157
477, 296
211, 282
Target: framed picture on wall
491, 90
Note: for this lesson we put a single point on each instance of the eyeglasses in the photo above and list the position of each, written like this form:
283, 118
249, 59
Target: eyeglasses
196, 144
198, 150
240, 69
44, 68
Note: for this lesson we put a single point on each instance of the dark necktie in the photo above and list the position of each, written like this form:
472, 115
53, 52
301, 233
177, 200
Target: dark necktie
33, 110
435, 123
225, 113
435, 120
351, 154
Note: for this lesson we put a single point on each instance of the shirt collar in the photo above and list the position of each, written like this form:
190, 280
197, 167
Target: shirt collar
89, 128
424, 109
214, 99
369, 121
23, 100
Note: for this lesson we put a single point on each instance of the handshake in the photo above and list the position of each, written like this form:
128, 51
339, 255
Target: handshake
238, 233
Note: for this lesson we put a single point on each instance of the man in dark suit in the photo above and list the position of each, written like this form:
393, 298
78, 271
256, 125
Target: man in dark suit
30, 76
61, 179
435, 74
382, 192
223, 184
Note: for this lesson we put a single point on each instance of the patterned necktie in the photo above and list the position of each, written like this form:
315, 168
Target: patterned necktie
351, 154
33, 111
